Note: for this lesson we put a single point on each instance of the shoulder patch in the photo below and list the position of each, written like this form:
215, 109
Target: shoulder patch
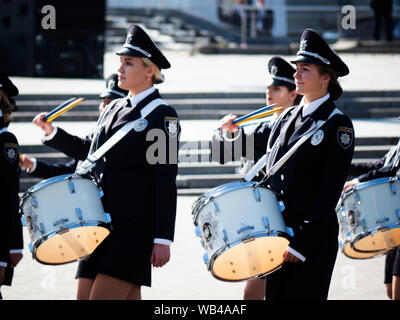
345, 136
11, 151
171, 126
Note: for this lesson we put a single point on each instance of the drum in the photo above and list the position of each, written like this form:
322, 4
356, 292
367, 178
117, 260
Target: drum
65, 219
345, 238
242, 230
372, 211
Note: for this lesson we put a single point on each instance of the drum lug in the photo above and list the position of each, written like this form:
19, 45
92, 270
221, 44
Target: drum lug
30, 246
34, 202
245, 228
108, 217
265, 222
289, 231
205, 258
398, 213
364, 224
23, 221
41, 228
61, 221
197, 232
382, 220
78, 212
393, 188
71, 186
215, 207
357, 198
257, 194
224, 235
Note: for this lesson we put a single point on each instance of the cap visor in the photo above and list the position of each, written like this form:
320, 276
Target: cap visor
280, 83
130, 52
301, 58
110, 95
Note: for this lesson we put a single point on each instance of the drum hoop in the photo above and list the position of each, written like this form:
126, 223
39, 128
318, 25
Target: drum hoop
223, 189
230, 245
42, 184
46, 237
370, 232
370, 183
379, 252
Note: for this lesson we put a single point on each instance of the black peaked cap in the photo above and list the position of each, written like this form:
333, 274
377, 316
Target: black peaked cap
7, 86
281, 72
314, 49
112, 90
139, 44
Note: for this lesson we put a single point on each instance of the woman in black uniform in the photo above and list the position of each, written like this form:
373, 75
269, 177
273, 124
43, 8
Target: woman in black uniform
311, 180
11, 239
139, 185
281, 90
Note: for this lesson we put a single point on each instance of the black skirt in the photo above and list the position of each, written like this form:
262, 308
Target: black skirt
125, 254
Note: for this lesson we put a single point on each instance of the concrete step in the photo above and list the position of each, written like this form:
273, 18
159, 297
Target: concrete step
211, 105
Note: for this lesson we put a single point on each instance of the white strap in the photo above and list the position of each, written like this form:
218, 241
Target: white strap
262, 162
89, 163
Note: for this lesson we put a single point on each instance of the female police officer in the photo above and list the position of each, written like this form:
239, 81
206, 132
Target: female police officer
311, 180
11, 241
281, 90
139, 193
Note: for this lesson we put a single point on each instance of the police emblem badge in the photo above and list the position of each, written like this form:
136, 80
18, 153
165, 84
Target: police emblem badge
171, 126
317, 138
11, 151
140, 125
345, 137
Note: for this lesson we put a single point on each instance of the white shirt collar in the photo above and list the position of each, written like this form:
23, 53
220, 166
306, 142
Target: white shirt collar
312, 106
1, 114
140, 96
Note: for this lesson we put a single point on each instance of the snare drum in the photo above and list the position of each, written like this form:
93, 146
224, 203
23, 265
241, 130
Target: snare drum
65, 219
242, 229
372, 210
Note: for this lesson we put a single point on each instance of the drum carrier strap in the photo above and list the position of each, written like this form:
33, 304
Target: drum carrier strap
263, 161
89, 163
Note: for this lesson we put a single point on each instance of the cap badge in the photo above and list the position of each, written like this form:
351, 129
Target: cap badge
111, 84
303, 45
129, 38
274, 70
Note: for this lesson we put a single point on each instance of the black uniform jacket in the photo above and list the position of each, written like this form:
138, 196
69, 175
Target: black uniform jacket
47, 170
311, 181
136, 192
375, 169
10, 225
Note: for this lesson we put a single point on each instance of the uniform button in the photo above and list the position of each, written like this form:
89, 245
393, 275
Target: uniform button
282, 177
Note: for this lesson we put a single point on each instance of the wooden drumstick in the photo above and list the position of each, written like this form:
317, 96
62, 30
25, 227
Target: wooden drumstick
60, 111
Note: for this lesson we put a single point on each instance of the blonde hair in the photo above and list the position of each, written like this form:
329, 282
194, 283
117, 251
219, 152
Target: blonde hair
158, 77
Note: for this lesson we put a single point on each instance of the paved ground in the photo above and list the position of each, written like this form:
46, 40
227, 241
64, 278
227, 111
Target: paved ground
185, 277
